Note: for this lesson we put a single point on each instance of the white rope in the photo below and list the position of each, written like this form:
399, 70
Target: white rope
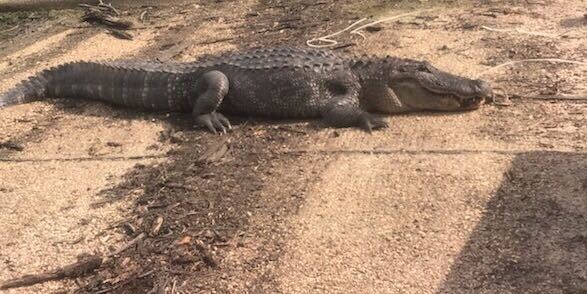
356, 31
330, 43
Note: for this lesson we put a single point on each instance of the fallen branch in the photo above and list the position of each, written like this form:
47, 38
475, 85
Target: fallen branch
520, 31
556, 97
104, 15
106, 20
553, 60
80, 268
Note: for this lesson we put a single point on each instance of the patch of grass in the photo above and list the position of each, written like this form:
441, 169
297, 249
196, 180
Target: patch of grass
11, 19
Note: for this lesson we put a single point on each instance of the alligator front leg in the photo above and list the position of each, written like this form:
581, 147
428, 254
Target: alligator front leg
211, 89
345, 111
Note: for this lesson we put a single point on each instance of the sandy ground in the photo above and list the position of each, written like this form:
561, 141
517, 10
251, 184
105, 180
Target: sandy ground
49, 189
490, 201
415, 217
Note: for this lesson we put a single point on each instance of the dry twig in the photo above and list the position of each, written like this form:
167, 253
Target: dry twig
131, 243
80, 268
106, 15
553, 60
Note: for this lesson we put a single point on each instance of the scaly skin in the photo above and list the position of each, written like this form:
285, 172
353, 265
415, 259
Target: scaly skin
277, 83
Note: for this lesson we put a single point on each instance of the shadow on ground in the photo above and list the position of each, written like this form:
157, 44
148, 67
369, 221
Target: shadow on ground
533, 237
196, 215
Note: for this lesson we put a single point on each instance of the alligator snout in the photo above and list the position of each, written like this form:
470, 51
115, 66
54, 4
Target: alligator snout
480, 92
483, 89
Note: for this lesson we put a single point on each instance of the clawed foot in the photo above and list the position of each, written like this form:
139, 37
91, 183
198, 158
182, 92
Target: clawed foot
370, 122
215, 122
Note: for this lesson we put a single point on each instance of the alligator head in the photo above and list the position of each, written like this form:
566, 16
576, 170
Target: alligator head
417, 85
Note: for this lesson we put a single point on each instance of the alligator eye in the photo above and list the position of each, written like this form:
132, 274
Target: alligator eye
425, 66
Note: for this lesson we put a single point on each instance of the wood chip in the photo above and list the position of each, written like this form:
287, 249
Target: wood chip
215, 152
157, 226
206, 256
184, 241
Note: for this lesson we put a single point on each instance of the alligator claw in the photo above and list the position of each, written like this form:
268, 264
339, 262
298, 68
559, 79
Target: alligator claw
215, 122
370, 123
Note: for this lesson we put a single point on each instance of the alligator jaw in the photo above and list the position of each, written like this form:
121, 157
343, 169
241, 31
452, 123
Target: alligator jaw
472, 103
479, 91
428, 88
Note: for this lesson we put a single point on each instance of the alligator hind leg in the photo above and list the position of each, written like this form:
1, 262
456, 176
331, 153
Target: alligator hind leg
345, 113
211, 89
344, 110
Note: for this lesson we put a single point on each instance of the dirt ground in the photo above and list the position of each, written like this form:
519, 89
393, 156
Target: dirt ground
489, 201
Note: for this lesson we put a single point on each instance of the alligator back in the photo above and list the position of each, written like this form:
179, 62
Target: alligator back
281, 82
276, 82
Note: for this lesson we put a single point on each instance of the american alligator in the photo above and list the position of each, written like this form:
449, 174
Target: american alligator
279, 83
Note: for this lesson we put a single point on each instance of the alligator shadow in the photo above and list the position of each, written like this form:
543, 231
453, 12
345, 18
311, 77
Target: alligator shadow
91, 108
533, 236
183, 121
180, 121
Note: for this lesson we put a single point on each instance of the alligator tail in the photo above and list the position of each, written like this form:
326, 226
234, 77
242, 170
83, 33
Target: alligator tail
32, 89
135, 85
49, 83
